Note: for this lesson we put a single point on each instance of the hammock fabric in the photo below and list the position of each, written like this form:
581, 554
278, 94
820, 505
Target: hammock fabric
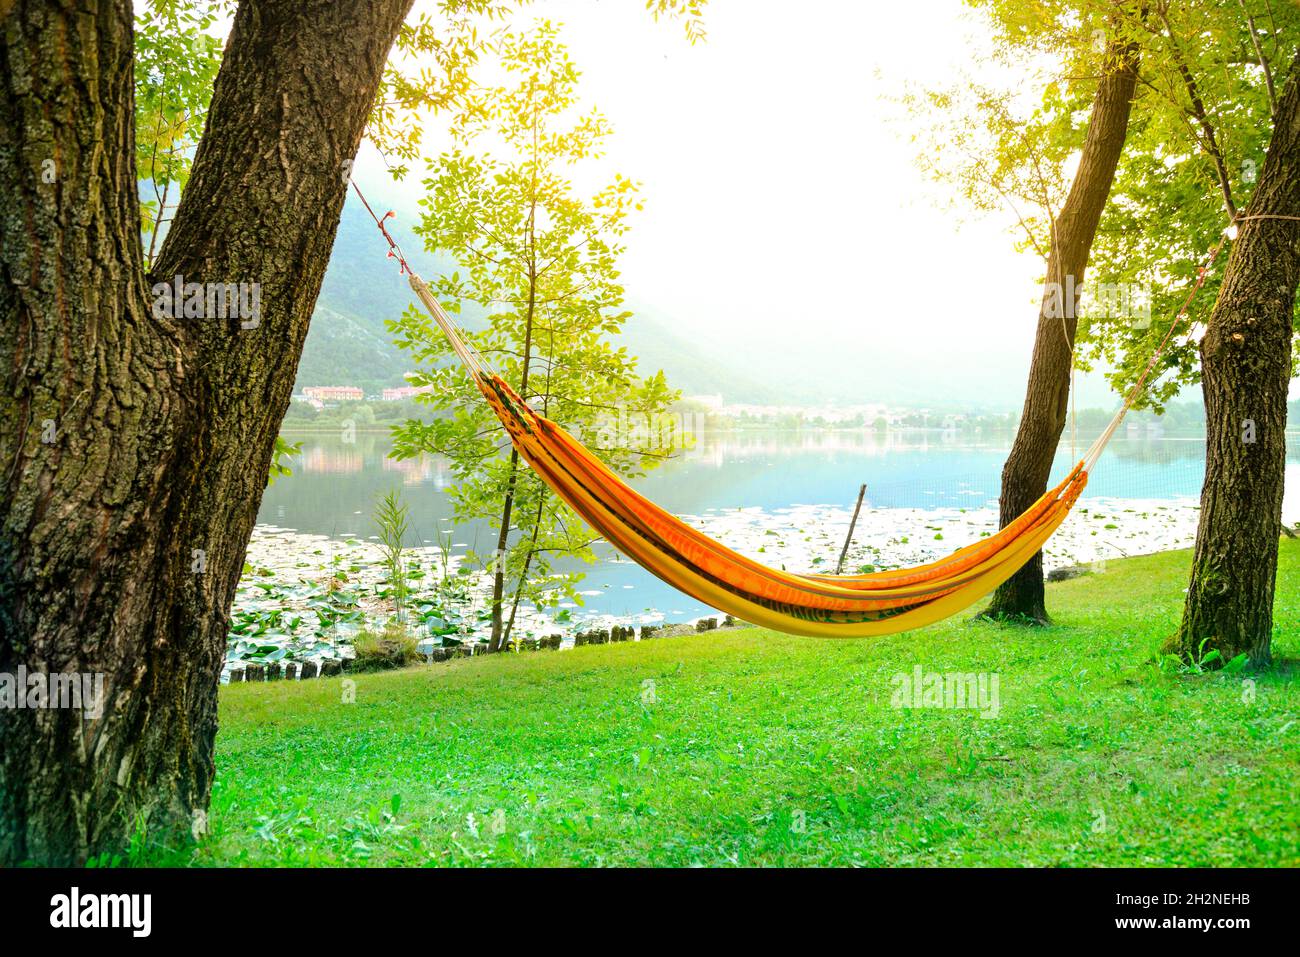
824, 606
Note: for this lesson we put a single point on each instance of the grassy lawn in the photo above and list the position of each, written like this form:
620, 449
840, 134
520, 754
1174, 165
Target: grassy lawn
764, 749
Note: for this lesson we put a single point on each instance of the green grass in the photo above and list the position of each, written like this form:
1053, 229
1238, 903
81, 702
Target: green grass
764, 749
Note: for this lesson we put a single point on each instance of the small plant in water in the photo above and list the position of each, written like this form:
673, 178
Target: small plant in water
391, 515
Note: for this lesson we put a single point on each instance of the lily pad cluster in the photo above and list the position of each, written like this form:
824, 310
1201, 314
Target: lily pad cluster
303, 598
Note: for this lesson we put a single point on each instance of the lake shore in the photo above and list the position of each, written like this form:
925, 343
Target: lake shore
304, 596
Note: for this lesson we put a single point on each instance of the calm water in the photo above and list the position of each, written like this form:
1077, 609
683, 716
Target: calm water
335, 486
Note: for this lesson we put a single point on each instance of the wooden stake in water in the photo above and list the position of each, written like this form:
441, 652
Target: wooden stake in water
849, 538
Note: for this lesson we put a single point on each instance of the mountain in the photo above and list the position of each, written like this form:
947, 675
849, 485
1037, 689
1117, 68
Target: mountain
345, 349
347, 343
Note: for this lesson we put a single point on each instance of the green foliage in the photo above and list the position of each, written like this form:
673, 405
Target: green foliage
176, 62
1169, 205
1203, 662
541, 262
749, 727
392, 648
428, 70
284, 450
690, 12
1199, 129
1008, 143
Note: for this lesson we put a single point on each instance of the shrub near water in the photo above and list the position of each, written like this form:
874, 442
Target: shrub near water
393, 648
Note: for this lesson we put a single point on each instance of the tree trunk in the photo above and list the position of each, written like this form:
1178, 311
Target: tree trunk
499, 632
135, 446
1245, 373
1047, 396
523, 573
497, 639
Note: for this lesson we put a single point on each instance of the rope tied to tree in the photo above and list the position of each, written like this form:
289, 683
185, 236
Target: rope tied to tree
467, 355
394, 249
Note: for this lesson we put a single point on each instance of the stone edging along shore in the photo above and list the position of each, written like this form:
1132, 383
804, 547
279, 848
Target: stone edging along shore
333, 667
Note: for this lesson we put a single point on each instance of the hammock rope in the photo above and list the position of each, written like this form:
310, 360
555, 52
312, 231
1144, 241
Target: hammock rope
833, 606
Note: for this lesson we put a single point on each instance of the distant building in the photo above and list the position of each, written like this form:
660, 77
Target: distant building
403, 392
337, 393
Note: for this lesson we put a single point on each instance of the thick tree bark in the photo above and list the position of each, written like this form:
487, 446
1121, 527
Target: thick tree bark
135, 446
1047, 396
1245, 373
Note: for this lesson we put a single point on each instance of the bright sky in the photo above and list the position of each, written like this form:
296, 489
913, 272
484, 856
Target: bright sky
767, 146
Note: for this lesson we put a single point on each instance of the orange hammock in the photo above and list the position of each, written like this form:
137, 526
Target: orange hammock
830, 606
818, 605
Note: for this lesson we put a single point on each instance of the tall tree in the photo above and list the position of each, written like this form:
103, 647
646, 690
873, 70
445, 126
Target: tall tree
135, 443
1246, 365
1212, 118
1004, 149
1047, 394
542, 262
1189, 162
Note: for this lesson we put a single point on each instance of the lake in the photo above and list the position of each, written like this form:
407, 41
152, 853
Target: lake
785, 497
